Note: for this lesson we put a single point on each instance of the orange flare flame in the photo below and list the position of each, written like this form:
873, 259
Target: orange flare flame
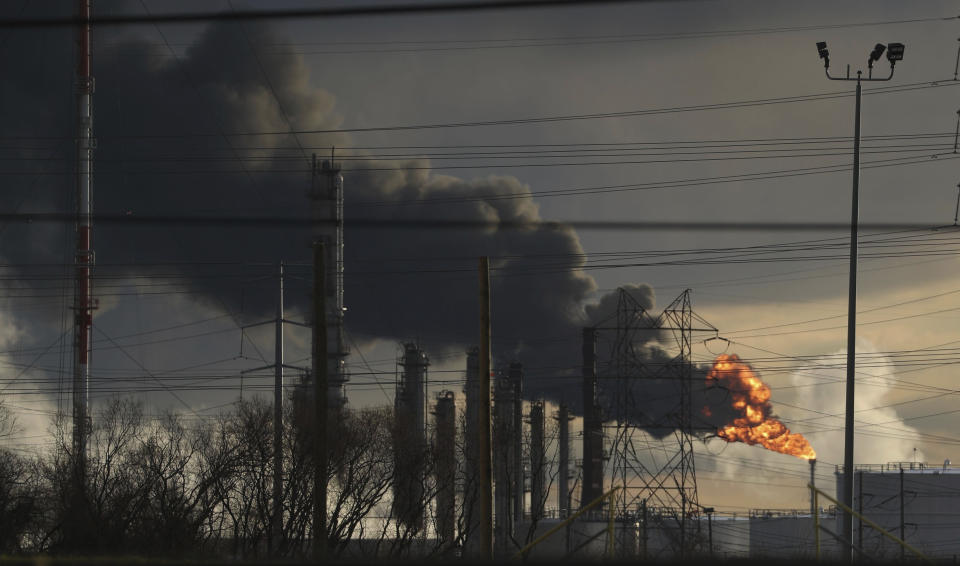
750, 398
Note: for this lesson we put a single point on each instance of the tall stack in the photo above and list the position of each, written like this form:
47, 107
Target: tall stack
410, 439
446, 472
538, 491
563, 481
507, 466
516, 440
83, 302
592, 422
76, 529
326, 197
471, 502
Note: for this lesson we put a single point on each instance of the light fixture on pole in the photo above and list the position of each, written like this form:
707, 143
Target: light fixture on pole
894, 53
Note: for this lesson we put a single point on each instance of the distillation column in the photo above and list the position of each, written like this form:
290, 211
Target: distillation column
538, 492
326, 197
563, 477
446, 473
504, 461
471, 502
592, 423
410, 439
516, 439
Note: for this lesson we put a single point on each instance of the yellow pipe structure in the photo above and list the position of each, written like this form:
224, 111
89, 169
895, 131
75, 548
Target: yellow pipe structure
571, 518
870, 523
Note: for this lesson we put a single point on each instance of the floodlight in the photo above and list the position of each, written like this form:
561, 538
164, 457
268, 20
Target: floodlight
894, 52
824, 54
877, 52
822, 49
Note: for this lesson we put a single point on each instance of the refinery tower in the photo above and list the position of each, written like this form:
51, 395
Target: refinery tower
326, 197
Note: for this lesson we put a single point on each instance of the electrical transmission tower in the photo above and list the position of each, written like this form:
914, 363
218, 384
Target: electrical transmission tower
651, 357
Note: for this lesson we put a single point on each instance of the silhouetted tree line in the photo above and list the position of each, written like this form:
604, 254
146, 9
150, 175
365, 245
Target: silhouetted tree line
180, 485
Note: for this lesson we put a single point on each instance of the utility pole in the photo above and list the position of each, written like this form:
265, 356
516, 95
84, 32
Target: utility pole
275, 539
894, 54
956, 211
486, 489
320, 405
956, 66
277, 526
83, 301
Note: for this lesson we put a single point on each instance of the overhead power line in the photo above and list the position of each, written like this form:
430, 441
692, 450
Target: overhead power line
396, 8
495, 158
347, 11
436, 223
922, 85
404, 46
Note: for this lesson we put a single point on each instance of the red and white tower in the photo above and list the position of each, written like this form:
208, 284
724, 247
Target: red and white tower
83, 302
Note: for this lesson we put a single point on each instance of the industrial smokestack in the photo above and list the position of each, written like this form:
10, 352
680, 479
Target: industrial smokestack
516, 439
410, 440
563, 485
471, 502
445, 457
538, 494
592, 423
813, 482
504, 466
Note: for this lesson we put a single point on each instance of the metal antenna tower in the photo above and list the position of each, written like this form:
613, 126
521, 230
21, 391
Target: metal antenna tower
83, 301
668, 484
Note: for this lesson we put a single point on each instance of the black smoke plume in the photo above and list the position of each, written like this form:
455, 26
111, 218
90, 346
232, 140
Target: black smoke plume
167, 128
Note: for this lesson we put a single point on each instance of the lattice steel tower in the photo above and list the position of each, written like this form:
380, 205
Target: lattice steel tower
667, 485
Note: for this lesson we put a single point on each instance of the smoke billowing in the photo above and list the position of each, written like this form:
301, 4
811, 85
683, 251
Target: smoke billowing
204, 133
168, 144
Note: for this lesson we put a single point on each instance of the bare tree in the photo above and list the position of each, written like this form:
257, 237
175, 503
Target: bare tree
362, 472
548, 468
18, 492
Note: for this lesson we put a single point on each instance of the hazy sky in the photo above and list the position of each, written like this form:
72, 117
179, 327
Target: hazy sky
664, 151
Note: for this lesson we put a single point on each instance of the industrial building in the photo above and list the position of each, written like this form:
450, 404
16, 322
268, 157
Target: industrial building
917, 502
